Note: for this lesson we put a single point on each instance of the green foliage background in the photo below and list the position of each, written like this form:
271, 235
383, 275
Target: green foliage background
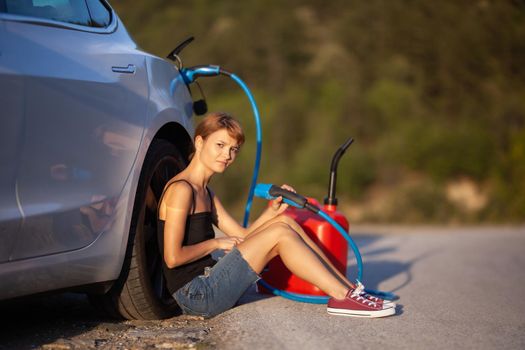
430, 90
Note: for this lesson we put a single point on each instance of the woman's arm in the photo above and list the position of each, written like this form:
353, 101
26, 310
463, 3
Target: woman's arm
178, 199
231, 228
225, 222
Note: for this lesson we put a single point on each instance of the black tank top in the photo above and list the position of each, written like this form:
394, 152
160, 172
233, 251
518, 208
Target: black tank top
198, 229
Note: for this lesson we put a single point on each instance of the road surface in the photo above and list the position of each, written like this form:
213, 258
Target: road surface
461, 288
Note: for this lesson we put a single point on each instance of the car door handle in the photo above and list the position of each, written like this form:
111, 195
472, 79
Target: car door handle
130, 69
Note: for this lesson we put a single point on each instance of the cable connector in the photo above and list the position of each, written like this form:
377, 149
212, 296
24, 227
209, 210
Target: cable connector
189, 75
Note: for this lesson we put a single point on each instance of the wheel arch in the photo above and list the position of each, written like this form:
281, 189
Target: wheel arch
171, 131
176, 134
115, 303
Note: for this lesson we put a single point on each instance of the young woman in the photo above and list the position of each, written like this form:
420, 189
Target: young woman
187, 211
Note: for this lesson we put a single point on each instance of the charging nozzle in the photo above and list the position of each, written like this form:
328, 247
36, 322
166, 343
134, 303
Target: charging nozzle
192, 73
269, 191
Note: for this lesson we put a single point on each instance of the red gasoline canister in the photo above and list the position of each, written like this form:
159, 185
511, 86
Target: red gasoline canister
324, 235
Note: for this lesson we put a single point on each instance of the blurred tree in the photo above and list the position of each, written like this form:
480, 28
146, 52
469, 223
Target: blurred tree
435, 89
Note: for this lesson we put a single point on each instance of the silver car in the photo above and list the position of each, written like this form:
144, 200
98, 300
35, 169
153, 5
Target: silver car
91, 130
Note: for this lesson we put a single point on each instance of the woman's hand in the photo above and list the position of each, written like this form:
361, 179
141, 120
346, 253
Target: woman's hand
277, 205
227, 243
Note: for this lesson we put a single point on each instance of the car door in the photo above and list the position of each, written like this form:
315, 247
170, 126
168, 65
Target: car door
11, 116
85, 102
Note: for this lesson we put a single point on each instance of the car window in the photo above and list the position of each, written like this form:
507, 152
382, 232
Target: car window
100, 14
70, 11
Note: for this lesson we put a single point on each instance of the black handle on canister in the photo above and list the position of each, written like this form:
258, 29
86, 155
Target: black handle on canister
331, 199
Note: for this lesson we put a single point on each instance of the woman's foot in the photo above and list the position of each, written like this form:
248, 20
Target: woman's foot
378, 300
360, 289
355, 305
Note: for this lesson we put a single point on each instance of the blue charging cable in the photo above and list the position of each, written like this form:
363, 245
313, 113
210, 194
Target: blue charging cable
258, 151
189, 75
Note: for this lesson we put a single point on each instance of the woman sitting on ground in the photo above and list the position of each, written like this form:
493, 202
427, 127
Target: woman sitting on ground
187, 211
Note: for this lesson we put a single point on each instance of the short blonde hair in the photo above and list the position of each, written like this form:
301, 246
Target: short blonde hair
217, 121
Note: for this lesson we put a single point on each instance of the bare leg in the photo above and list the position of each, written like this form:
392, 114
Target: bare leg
279, 238
296, 227
318, 251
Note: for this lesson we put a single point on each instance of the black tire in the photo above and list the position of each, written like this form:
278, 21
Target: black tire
140, 291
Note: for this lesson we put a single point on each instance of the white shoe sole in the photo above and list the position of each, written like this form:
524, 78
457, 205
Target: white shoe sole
389, 303
358, 313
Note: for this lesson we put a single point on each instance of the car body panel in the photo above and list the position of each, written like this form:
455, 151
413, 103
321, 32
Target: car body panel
102, 175
82, 127
12, 103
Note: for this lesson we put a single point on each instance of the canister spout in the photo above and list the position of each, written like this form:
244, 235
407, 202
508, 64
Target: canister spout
331, 199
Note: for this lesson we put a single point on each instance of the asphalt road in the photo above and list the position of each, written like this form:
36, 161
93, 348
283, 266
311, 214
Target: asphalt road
459, 288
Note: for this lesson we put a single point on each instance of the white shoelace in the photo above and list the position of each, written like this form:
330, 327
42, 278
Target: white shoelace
360, 289
363, 300
358, 293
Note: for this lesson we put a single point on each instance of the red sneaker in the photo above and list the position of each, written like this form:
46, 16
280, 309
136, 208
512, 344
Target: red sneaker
378, 300
355, 305
360, 289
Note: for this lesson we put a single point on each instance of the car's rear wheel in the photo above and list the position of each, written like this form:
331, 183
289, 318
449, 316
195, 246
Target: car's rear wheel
140, 291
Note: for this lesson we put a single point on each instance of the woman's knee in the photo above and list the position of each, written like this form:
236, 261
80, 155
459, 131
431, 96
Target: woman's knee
272, 231
285, 219
279, 230
284, 231
278, 226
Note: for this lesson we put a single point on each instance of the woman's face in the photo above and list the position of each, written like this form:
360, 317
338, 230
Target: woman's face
218, 151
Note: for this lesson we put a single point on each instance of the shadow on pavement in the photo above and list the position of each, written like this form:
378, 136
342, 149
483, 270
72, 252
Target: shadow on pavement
376, 271
399, 310
34, 321
251, 295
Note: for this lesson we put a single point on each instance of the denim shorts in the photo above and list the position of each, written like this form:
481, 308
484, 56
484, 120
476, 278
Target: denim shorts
219, 289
